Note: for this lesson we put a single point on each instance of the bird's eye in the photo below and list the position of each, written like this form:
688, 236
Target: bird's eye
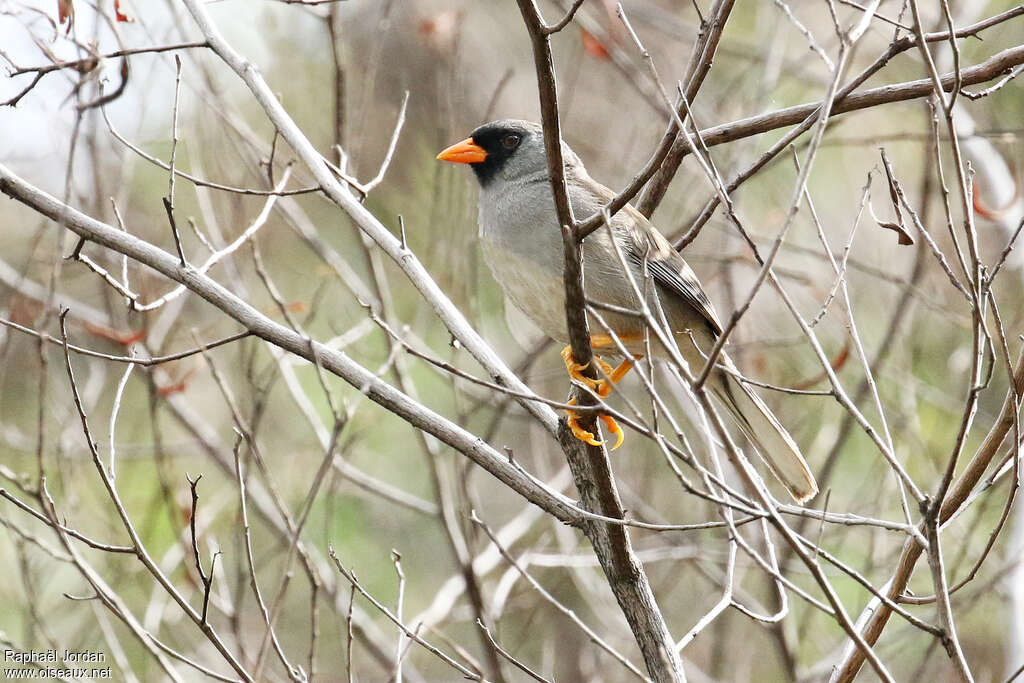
510, 141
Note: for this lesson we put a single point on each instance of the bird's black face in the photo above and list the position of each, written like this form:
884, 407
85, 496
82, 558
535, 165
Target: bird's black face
500, 142
492, 146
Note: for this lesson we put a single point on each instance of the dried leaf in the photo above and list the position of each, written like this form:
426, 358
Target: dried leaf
118, 337
119, 15
441, 30
177, 387
837, 364
592, 45
171, 389
66, 13
990, 213
905, 238
839, 361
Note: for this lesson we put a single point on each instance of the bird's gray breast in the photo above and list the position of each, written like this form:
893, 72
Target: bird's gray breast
522, 246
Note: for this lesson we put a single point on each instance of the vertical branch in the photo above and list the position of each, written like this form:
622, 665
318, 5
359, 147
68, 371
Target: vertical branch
348, 633
169, 199
945, 610
396, 558
333, 20
113, 417
590, 465
206, 579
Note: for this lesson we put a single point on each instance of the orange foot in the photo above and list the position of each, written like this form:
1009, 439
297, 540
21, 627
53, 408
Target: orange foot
602, 387
598, 386
573, 419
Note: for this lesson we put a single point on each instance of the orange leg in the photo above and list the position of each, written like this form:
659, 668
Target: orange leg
623, 369
602, 387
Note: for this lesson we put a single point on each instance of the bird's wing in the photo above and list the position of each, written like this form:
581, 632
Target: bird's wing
666, 266
644, 242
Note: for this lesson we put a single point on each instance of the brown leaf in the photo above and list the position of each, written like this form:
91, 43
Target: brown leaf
66, 12
905, 238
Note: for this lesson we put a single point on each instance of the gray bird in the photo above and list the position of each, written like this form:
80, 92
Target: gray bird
522, 244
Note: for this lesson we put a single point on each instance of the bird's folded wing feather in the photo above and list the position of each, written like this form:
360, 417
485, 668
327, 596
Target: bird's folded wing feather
669, 270
664, 263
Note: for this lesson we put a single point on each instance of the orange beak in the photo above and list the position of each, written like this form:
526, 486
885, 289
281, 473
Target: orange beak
465, 152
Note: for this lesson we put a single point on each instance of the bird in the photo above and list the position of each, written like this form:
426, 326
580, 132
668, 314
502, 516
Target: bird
521, 241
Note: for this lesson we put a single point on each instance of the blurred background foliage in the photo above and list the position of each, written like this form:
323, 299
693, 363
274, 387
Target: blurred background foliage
463, 63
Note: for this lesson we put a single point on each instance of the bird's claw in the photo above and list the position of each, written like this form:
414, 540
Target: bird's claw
601, 387
573, 420
613, 427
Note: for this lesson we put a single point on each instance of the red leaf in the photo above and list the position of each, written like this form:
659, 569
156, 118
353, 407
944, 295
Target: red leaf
976, 201
837, 364
123, 338
986, 212
119, 15
176, 388
441, 30
592, 45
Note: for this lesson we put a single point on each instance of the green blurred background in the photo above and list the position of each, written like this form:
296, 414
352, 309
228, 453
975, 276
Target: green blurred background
463, 63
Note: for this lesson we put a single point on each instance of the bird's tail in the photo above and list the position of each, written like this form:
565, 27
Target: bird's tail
770, 438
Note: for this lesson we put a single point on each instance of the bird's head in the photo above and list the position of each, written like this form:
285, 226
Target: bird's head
507, 149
